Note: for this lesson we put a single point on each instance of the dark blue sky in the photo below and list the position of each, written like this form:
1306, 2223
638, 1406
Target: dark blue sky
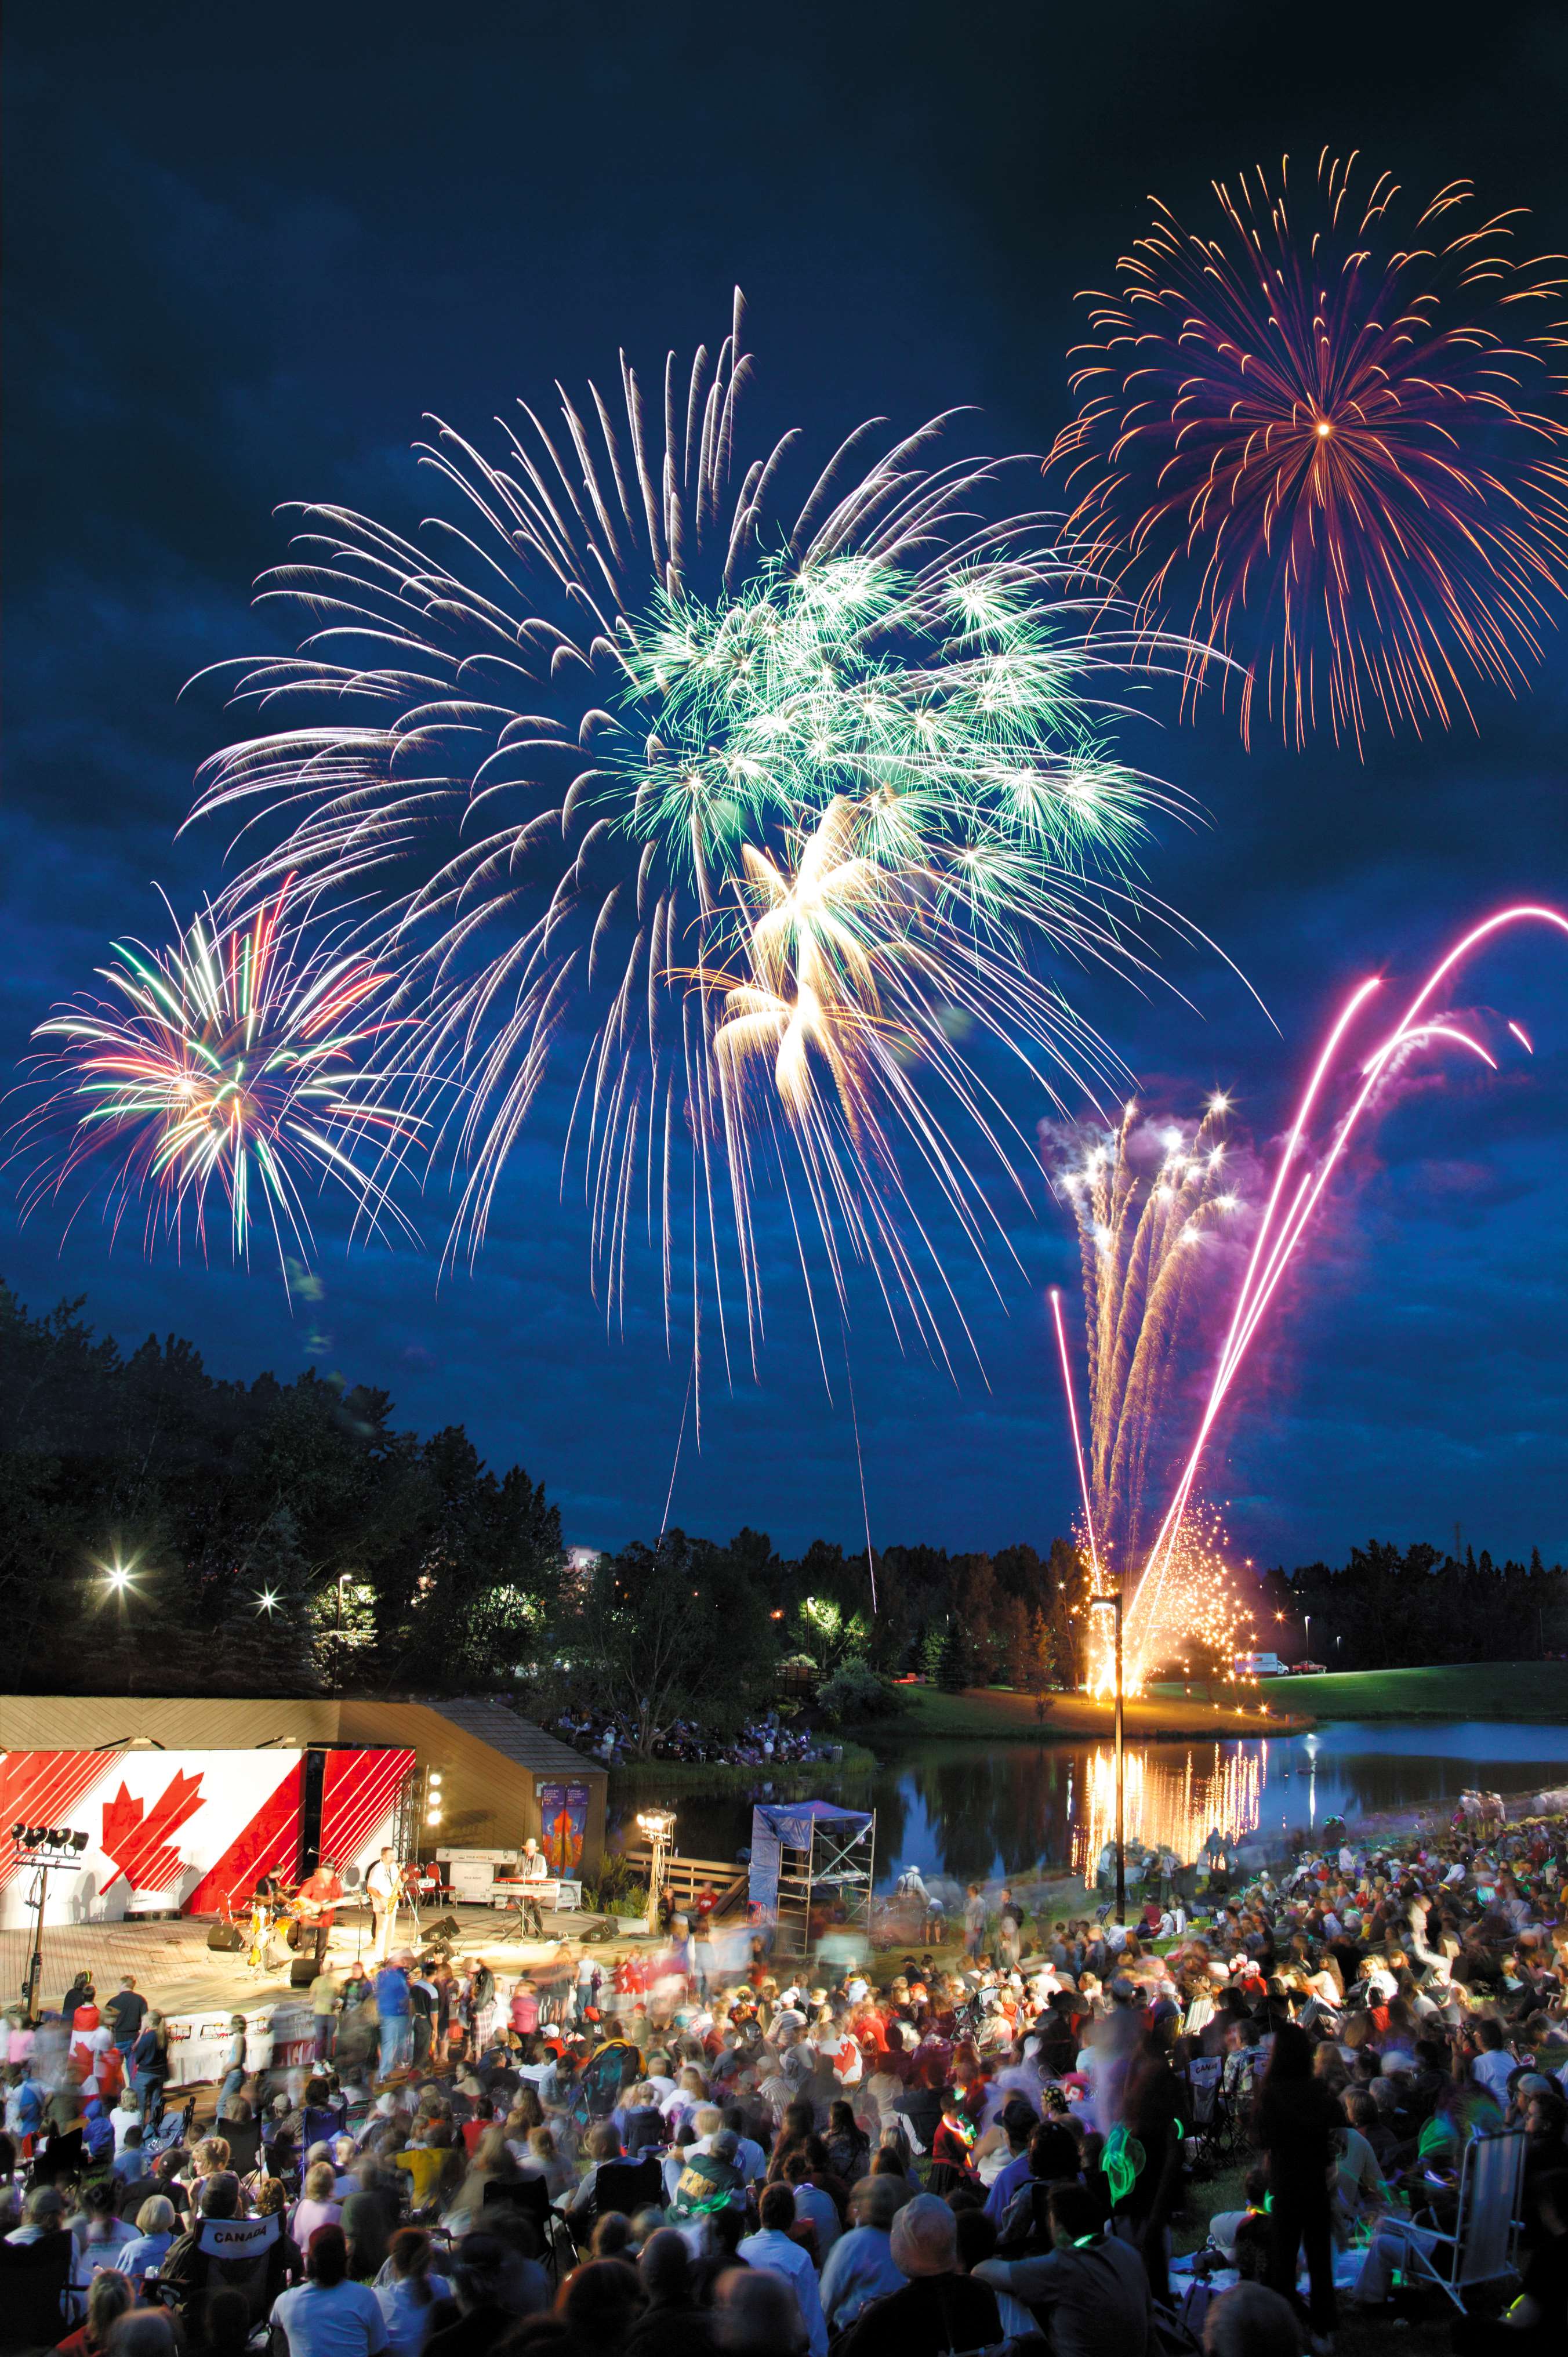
248, 249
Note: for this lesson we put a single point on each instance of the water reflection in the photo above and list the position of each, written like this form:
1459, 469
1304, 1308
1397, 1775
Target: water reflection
970, 1811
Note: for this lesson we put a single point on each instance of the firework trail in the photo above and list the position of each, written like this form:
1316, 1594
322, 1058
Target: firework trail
234, 1062
1148, 1197
1297, 1188
751, 821
1335, 442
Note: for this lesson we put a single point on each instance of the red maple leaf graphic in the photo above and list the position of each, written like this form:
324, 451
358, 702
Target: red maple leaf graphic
133, 1840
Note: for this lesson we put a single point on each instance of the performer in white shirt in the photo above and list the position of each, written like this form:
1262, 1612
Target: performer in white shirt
533, 1867
383, 1887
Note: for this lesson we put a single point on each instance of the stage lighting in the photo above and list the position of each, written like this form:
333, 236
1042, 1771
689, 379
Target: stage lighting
78, 1843
18, 1832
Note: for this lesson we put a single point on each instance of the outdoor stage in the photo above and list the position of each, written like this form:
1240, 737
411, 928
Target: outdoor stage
196, 1987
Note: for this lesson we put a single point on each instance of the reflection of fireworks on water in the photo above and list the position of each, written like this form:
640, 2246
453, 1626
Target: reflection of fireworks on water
1167, 1806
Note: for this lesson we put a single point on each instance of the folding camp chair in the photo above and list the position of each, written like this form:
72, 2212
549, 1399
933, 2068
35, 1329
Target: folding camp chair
1484, 2239
1207, 2118
34, 2291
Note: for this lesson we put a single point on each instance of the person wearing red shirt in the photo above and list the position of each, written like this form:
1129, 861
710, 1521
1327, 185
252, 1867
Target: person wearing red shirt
320, 1893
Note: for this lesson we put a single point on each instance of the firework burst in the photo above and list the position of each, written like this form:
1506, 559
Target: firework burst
232, 1066
753, 820
1336, 443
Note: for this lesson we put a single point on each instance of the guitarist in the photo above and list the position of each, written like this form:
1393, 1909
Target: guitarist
317, 1900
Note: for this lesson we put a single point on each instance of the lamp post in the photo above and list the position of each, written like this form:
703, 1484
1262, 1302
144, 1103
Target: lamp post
48, 1849
656, 1826
1114, 1603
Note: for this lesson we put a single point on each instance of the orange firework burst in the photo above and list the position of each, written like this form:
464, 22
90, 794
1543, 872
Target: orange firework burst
1314, 437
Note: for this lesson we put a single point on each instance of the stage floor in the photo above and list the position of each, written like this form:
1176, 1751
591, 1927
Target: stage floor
177, 1972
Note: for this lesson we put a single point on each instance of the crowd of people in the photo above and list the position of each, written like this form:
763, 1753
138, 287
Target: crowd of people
911, 2160
768, 1741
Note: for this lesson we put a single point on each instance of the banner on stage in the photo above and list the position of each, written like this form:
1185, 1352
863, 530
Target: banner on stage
185, 1832
562, 1826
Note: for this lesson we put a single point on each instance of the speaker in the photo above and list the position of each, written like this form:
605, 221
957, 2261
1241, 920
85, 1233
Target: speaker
302, 1972
225, 1936
448, 1928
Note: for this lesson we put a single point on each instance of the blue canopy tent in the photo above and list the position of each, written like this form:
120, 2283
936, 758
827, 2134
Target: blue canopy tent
812, 1866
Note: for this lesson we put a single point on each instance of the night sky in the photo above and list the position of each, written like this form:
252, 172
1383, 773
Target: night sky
248, 249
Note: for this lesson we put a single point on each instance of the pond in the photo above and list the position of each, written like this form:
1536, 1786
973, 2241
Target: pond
970, 1811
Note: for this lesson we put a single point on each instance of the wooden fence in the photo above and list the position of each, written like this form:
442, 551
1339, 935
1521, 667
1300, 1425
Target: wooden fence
684, 1876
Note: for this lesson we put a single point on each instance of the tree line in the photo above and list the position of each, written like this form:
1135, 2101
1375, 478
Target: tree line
164, 1531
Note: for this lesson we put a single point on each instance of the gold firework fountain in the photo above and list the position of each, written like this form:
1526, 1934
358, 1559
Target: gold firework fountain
1151, 1199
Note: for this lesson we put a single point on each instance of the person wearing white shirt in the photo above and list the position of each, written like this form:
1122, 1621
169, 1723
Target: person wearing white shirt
383, 1884
328, 2316
1494, 2065
772, 2248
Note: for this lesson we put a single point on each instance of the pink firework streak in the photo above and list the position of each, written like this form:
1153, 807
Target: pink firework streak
1281, 1228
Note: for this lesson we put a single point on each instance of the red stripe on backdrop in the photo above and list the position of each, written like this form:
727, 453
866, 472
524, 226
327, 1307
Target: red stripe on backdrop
43, 1788
359, 1791
269, 1845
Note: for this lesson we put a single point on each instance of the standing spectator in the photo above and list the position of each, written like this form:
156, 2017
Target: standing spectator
326, 1995
1298, 2121
124, 2014
149, 2067
392, 2005
973, 1921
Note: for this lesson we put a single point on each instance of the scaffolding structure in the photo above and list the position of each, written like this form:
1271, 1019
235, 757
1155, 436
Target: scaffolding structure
812, 1870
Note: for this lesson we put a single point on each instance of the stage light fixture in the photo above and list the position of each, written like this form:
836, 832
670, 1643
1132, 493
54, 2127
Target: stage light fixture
78, 1843
18, 1832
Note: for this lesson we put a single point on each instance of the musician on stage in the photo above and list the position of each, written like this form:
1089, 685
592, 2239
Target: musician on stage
318, 1898
383, 1888
533, 1867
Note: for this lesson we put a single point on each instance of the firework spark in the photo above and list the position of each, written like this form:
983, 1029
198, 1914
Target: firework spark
234, 1063
1336, 443
1297, 1190
1149, 1196
759, 818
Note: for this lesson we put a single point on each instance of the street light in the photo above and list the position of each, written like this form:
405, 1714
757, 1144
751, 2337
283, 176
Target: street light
1113, 1602
49, 1849
658, 1828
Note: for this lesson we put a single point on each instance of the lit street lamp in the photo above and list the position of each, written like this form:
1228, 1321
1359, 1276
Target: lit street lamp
658, 1828
1113, 1602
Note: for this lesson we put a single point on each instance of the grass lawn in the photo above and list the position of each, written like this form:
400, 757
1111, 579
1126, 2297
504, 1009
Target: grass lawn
1517, 1690
996, 1712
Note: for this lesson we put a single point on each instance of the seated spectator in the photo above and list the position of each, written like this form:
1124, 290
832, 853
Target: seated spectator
860, 2267
757, 2314
328, 2315
938, 2309
773, 2247
1250, 2320
153, 2239
110, 2295
1091, 2288
317, 2206
408, 2291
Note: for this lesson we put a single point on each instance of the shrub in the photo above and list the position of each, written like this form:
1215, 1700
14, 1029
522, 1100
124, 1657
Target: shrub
856, 1693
